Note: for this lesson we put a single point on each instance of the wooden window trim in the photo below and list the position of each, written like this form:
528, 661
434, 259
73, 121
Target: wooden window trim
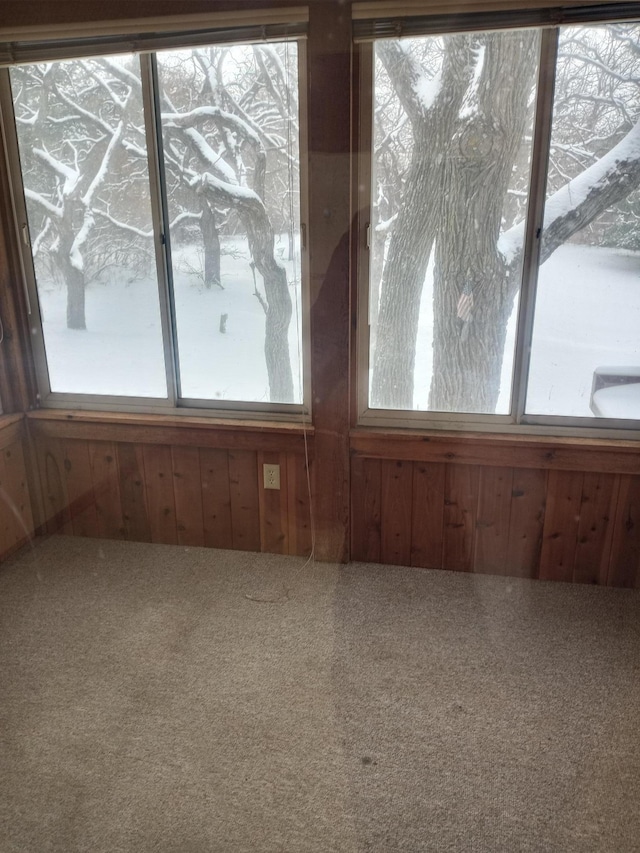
167, 429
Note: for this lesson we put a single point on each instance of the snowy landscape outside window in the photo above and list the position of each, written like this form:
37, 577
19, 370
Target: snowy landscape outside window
453, 121
216, 319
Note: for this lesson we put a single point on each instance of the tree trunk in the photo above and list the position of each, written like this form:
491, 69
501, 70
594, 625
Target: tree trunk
76, 318
73, 277
211, 246
279, 308
399, 307
414, 230
468, 351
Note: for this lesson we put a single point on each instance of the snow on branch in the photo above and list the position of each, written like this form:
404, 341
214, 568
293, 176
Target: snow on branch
101, 174
417, 91
228, 120
46, 205
609, 180
92, 117
75, 253
124, 226
596, 63
71, 176
231, 193
212, 159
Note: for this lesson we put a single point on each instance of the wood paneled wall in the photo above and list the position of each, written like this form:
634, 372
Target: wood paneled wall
16, 517
533, 522
173, 493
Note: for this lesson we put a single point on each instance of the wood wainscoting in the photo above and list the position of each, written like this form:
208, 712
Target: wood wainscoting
16, 515
173, 481
552, 509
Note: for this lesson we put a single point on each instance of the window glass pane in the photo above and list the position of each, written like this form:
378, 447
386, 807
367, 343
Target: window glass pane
585, 358
230, 130
452, 131
84, 168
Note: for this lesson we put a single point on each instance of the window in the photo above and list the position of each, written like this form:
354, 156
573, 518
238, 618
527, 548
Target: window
162, 215
500, 280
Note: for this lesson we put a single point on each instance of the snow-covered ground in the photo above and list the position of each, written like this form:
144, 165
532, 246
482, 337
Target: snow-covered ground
588, 315
121, 351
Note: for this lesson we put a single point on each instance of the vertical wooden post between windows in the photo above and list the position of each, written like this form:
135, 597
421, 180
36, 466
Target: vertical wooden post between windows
329, 52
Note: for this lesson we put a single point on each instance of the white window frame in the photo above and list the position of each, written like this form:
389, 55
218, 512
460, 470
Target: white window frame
270, 25
366, 30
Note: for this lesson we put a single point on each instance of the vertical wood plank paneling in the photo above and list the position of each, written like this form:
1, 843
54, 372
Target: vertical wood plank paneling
106, 487
245, 510
82, 499
493, 520
624, 570
595, 529
133, 499
187, 488
216, 499
366, 503
427, 522
16, 519
8, 523
395, 528
562, 517
299, 515
54, 485
460, 508
32, 469
274, 507
528, 497
159, 493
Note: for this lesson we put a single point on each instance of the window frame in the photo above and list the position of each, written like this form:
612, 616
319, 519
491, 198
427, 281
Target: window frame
517, 421
173, 404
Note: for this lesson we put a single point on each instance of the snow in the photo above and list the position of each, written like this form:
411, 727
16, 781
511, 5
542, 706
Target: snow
231, 191
587, 315
576, 191
510, 242
121, 351
213, 158
573, 194
427, 89
75, 253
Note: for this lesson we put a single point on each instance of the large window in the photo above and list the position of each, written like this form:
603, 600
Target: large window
162, 215
486, 299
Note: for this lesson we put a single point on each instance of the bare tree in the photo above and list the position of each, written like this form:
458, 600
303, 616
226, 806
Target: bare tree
465, 183
230, 121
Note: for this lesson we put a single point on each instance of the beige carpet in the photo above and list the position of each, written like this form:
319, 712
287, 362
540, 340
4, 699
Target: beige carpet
148, 705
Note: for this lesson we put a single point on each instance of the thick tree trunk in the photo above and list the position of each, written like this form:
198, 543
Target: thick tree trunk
399, 307
468, 351
211, 246
414, 230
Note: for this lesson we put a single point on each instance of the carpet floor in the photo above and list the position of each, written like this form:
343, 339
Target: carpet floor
148, 704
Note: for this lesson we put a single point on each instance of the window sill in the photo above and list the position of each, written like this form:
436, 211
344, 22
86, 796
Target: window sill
519, 451
168, 429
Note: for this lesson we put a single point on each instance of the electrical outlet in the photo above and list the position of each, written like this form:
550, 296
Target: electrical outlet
271, 475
